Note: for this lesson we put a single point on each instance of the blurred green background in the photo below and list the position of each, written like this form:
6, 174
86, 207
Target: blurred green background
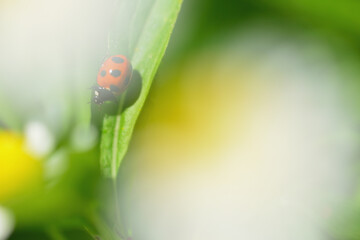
250, 130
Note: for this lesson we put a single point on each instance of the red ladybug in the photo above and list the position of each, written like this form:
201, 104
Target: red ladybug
113, 78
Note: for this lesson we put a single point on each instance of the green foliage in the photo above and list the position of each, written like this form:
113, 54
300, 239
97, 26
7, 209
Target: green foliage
151, 40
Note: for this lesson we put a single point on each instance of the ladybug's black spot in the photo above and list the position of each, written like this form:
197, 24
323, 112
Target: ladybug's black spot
115, 73
103, 73
117, 59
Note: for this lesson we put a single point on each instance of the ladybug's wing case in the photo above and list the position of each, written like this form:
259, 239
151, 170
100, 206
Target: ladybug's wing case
115, 74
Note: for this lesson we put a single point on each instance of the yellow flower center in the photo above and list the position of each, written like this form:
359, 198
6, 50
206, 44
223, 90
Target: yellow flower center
18, 169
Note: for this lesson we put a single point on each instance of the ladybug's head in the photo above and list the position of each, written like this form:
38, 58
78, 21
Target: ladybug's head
101, 95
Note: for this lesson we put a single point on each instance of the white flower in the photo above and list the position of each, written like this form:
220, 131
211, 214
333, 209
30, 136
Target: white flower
39, 140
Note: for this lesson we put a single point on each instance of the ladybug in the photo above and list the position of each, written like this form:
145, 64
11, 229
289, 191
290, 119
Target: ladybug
113, 79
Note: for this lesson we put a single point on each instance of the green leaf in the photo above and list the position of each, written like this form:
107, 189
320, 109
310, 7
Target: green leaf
147, 34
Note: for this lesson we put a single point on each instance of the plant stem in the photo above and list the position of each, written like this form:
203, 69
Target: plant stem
116, 137
119, 225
